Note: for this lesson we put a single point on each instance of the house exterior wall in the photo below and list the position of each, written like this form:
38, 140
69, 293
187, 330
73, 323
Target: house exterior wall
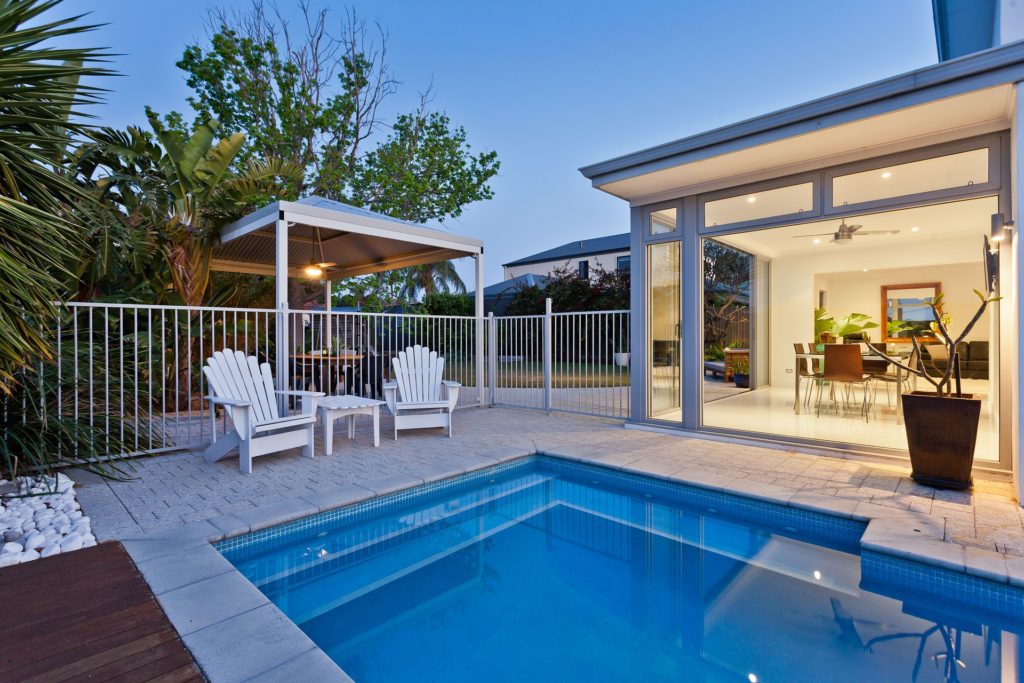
690, 233
605, 261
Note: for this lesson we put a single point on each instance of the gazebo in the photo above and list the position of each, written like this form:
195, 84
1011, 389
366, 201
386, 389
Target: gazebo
322, 239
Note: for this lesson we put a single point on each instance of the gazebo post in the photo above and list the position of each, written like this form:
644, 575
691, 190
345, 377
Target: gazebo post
281, 299
479, 306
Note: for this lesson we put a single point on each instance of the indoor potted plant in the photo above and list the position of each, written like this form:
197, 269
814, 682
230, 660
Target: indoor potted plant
823, 323
942, 425
741, 373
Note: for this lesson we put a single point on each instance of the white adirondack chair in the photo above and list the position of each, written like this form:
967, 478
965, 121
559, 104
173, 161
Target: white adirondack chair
246, 390
418, 397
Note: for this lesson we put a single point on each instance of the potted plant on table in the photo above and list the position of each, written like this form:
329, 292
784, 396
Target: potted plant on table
942, 425
741, 373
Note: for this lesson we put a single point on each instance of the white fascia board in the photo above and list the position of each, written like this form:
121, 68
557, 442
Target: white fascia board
376, 227
260, 218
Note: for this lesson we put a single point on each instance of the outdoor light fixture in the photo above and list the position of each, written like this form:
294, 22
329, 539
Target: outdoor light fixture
886, 175
817, 241
1000, 227
315, 270
914, 229
751, 199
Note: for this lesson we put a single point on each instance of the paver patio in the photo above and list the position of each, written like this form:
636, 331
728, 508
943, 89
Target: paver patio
173, 490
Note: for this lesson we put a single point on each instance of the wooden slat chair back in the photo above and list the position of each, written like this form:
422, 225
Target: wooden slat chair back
246, 391
419, 397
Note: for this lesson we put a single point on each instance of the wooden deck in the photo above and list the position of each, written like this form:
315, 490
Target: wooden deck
87, 616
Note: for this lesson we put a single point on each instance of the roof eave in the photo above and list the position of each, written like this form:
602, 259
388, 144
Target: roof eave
1005, 63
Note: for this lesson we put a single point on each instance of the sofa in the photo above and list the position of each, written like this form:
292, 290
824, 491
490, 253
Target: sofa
973, 359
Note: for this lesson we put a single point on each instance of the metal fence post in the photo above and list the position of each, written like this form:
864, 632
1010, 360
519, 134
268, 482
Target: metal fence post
492, 356
547, 356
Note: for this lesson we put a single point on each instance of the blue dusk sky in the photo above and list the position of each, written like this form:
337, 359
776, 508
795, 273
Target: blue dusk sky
553, 86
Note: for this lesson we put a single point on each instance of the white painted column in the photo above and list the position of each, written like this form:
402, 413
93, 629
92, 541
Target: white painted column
283, 352
1014, 318
479, 337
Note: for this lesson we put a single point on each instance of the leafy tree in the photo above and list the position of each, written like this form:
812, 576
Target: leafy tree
604, 290
444, 303
314, 98
726, 283
423, 170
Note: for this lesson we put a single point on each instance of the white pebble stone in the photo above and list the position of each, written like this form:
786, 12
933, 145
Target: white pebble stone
7, 559
12, 547
29, 555
72, 542
35, 540
51, 549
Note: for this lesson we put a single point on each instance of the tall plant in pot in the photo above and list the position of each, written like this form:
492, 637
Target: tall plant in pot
942, 425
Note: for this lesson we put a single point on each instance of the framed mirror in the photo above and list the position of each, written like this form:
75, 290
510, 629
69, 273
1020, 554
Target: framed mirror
906, 311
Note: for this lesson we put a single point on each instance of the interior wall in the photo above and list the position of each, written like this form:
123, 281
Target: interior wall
793, 290
860, 292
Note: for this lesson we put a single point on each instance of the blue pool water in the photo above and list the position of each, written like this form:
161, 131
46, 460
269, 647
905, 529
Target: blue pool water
545, 570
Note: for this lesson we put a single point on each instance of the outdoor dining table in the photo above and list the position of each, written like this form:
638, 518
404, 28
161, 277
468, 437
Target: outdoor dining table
900, 372
325, 361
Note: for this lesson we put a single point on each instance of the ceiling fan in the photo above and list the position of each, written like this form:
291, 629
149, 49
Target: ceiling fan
318, 269
845, 233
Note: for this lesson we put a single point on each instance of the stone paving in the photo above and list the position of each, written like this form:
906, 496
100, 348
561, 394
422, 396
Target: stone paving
169, 491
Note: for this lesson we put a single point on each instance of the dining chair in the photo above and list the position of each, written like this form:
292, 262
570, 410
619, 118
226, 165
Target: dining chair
844, 366
805, 368
880, 371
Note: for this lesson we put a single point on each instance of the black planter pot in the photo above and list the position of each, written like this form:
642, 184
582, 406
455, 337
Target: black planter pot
941, 433
742, 381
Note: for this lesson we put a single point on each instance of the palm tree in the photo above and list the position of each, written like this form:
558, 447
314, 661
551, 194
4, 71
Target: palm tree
431, 278
39, 238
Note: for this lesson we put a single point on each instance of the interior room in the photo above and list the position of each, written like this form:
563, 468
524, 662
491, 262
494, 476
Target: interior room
864, 279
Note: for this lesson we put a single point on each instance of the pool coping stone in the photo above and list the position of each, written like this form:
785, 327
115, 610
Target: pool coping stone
198, 592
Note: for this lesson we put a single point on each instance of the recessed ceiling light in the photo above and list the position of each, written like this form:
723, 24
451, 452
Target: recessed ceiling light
817, 575
865, 270
914, 229
751, 199
886, 175
817, 241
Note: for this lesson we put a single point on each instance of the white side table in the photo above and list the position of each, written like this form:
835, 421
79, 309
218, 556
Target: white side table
330, 408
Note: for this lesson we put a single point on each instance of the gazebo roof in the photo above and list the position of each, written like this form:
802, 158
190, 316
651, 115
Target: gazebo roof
357, 240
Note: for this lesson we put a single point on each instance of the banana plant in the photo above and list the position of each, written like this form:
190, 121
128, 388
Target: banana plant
185, 189
855, 323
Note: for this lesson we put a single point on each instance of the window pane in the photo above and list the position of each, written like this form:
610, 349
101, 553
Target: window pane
662, 222
781, 201
941, 173
663, 296
622, 263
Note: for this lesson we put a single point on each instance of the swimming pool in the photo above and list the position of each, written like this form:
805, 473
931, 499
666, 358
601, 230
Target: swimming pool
544, 569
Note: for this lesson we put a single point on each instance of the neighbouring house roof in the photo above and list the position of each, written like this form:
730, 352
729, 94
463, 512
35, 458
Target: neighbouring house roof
498, 296
979, 72
577, 249
515, 283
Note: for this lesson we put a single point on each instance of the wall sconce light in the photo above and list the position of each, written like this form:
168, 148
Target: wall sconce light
1001, 229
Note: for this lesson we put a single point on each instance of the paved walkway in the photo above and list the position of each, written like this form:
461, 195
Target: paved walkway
173, 490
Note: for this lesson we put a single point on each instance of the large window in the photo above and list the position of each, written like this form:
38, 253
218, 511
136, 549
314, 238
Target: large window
755, 206
663, 331
952, 171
